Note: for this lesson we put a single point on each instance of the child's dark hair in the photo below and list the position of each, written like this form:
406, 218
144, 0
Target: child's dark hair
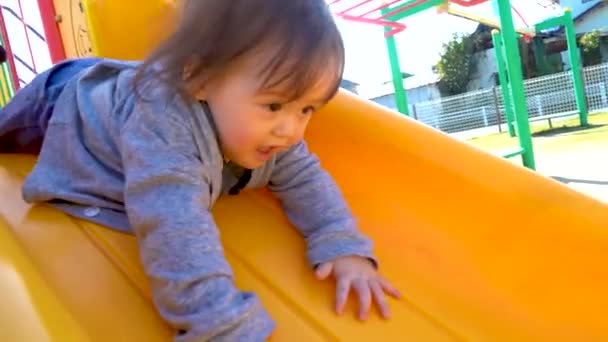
3, 55
299, 40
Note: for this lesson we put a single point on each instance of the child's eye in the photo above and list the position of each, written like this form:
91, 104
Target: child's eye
275, 107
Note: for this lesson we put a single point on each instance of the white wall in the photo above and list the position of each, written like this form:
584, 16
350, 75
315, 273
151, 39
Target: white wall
598, 20
483, 77
423, 93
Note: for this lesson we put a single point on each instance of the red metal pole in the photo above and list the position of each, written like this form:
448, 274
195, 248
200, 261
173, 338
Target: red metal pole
520, 16
9, 52
27, 36
355, 6
468, 3
51, 30
402, 9
384, 5
395, 26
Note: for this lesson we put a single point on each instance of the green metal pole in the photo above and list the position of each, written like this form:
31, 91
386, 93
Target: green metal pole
549, 23
5, 96
504, 83
575, 63
7, 74
414, 9
513, 59
393, 56
9, 80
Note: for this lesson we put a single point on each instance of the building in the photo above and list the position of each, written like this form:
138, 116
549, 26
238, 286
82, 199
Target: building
588, 15
350, 86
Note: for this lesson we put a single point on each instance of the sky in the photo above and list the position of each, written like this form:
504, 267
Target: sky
367, 61
420, 44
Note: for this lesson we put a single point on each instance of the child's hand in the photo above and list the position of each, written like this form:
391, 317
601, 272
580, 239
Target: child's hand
358, 273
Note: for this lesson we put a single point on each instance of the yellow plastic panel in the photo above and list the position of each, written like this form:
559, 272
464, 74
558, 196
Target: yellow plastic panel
490, 249
482, 249
88, 281
87, 26
128, 29
30, 311
73, 28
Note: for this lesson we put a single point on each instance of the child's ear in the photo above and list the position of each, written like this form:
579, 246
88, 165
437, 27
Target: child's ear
192, 87
201, 94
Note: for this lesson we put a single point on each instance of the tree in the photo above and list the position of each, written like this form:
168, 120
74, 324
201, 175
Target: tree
590, 45
455, 65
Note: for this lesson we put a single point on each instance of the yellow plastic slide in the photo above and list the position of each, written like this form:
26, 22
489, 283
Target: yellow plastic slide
483, 250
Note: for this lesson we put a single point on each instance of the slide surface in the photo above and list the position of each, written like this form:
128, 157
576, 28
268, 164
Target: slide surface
482, 250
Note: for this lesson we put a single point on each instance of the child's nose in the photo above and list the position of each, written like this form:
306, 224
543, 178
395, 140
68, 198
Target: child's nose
290, 128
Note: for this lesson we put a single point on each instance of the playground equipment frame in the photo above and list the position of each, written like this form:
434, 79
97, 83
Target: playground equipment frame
505, 38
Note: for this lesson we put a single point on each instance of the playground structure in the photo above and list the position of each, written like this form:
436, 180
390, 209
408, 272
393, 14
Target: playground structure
505, 45
8, 80
435, 212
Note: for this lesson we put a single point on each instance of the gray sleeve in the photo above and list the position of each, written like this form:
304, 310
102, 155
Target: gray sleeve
167, 198
315, 205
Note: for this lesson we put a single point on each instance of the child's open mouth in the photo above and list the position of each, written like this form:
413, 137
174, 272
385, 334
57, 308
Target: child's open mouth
267, 152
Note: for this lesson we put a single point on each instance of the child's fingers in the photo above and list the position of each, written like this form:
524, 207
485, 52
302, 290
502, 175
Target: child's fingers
324, 270
388, 288
342, 289
379, 298
365, 297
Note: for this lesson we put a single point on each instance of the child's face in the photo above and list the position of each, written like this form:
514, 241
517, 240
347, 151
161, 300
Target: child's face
254, 125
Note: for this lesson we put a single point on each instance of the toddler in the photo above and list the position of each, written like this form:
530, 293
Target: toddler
148, 147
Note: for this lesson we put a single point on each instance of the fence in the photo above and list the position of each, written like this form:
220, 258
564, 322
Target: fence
547, 95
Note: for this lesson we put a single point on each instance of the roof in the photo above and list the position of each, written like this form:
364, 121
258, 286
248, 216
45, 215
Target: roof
348, 83
589, 10
577, 18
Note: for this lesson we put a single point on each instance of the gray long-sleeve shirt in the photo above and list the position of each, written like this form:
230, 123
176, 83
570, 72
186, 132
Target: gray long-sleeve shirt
154, 168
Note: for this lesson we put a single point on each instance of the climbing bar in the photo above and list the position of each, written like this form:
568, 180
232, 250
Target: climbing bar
468, 3
550, 23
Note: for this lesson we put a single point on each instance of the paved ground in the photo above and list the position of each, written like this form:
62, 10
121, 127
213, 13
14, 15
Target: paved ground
583, 166
584, 170
577, 157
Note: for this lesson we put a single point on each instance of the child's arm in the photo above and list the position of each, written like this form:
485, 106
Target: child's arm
314, 204
167, 197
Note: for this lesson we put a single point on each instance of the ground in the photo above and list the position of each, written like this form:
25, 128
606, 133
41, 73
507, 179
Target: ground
569, 153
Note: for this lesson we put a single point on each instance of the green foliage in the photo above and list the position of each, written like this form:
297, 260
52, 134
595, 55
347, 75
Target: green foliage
590, 46
456, 65
590, 41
